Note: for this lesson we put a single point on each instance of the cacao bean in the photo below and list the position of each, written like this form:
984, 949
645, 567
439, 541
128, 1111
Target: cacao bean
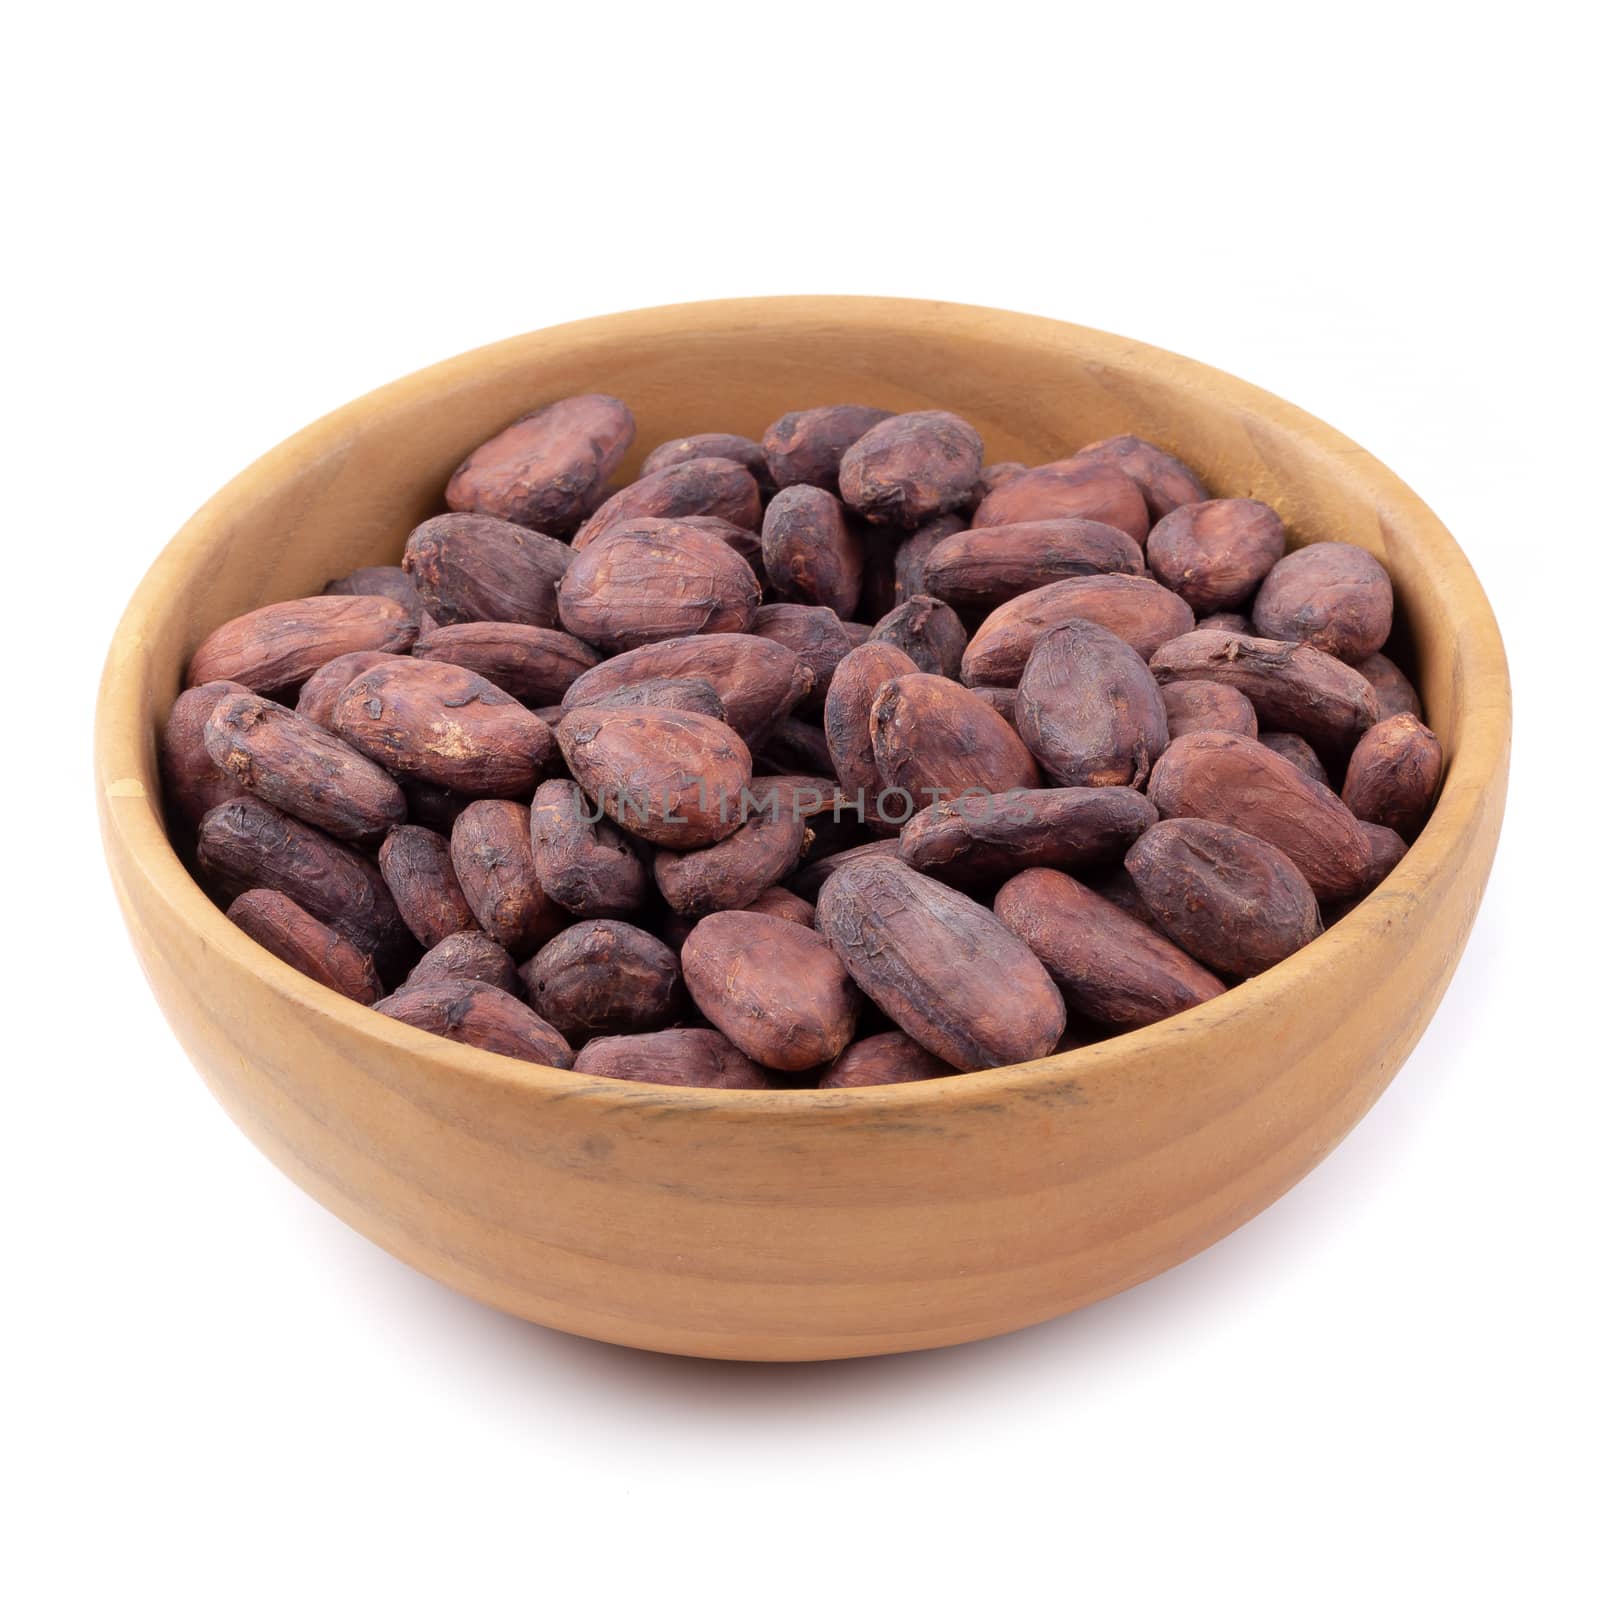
1163, 479
810, 551
319, 694
583, 863
1236, 903
302, 769
704, 487
910, 558
415, 863
549, 468
280, 646
776, 902
847, 717
1138, 610
911, 467
470, 954
772, 987
1197, 706
1392, 687
1334, 596
1224, 777
311, 947
444, 725
728, 875
806, 446
928, 631
726, 446
481, 1015
646, 582
604, 977
491, 849
684, 1058
393, 583
1088, 489
808, 881
671, 777
945, 970
1294, 687
1110, 965
983, 840
191, 782
1394, 774
1291, 747
536, 665
932, 739
471, 568
1089, 709
984, 567
758, 680
892, 1057
816, 635
1225, 622
1215, 552
675, 694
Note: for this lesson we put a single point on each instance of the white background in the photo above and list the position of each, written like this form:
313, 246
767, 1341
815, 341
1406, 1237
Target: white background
226, 221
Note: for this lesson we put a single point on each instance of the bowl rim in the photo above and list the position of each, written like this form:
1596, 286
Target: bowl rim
134, 834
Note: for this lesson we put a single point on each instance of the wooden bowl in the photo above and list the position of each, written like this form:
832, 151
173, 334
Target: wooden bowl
784, 1225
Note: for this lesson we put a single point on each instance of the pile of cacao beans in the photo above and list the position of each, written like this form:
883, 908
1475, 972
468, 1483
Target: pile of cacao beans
826, 760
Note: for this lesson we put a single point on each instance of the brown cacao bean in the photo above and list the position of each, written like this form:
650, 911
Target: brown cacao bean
549, 468
847, 716
1294, 687
491, 849
415, 863
646, 582
248, 844
471, 568
928, 631
1226, 622
676, 694
1334, 596
671, 777
1089, 709
1110, 964
758, 680
1138, 610
1392, 687
1163, 479
984, 567
471, 954
697, 446
481, 1015
444, 725
983, 840
684, 1058
393, 583
932, 740
280, 646
1088, 489
892, 1057
584, 863
816, 635
776, 902
1394, 774
808, 881
319, 694
1236, 903
806, 446
1288, 745
945, 970
604, 977
729, 874
191, 782
811, 552
706, 487
772, 987
911, 467
537, 665
910, 557
302, 769
1215, 552
311, 947
1387, 850
1224, 777
1198, 706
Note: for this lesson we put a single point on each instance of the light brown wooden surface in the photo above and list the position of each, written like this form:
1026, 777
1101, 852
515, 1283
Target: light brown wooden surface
791, 1225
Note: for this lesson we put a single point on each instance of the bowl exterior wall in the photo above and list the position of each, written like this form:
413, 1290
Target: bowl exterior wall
776, 1225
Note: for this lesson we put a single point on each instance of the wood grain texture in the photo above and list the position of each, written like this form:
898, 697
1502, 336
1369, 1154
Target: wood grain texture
772, 1224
